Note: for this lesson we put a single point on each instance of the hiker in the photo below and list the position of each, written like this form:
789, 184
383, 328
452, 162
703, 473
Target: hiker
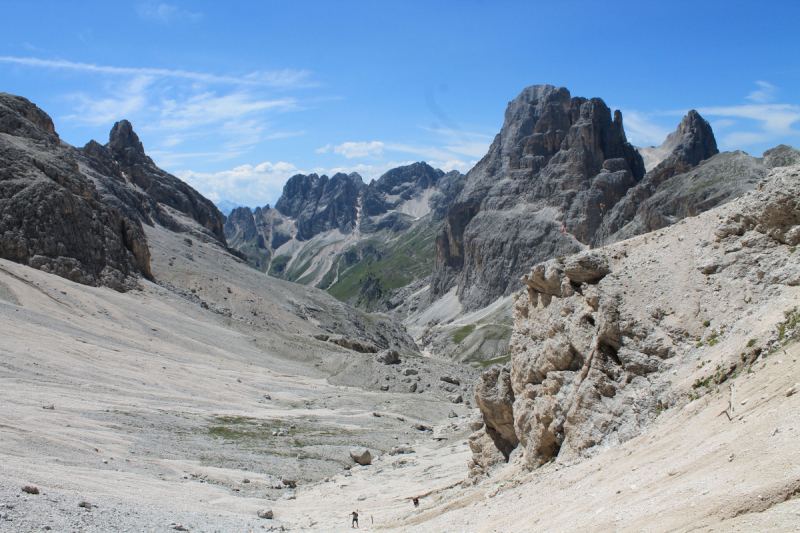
416, 502
355, 519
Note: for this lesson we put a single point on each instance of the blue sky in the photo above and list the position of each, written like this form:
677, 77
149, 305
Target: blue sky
236, 97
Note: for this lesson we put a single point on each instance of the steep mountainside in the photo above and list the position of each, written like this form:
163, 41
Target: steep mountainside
52, 216
556, 161
607, 339
362, 243
691, 179
129, 180
86, 214
444, 253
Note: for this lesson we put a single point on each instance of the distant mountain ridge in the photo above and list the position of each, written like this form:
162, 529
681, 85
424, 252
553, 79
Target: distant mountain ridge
560, 177
323, 230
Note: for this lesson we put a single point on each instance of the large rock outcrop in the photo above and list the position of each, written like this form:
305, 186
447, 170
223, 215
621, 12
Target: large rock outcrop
51, 216
692, 178
318, 203
557, 161
600, 336
128, 179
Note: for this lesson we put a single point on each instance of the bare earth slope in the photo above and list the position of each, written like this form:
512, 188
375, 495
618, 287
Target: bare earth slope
164, 400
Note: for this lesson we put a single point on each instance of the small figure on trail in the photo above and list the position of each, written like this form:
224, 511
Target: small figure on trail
563, 228
416, 502
355, 519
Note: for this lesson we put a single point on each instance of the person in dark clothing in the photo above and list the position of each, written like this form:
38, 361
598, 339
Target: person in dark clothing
416, 502
355, 519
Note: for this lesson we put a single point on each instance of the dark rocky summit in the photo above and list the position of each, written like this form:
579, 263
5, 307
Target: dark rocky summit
395, 204
557, 160
319, 203
131, 181
51, 216
694, 177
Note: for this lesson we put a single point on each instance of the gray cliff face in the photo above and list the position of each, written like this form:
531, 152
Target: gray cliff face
132, 182
51, 216
390, 221
595, 334
557, 160
692, 178
319, 203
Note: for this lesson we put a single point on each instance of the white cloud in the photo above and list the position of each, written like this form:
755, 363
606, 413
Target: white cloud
359, 149
130, 97
776, 119
453, 164
165, 12
324, 149
722, 123
281, 78
642, 130
472, 149
244, 184
428, 152
763, 95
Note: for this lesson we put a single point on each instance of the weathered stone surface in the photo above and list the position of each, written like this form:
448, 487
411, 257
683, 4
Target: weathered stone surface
266, 513
556, 160
361, 456
388, 357
588, 357
691, 179
318, 203
51, 216
494, 396
128, 179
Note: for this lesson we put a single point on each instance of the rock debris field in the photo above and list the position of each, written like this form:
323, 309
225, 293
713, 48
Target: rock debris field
148, 411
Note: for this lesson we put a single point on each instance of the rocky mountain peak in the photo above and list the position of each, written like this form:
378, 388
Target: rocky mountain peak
124, 158
693, 141
557, 164
22, 118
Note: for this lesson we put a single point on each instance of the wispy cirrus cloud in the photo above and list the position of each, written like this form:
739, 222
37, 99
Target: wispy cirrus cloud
765, 93
643, 129
282, 78
359, 149
165, 12
235, 112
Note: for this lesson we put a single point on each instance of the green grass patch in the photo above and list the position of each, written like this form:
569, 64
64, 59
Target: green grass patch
497, 361
463, 333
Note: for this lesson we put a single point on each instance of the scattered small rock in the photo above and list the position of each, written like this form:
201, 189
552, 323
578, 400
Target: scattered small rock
245, 480
792, 389
457, 399
422, 427
266, 513
452, 414
291, 483
361, 456
409, 372
86, 505
476, 421
290, 496
401, 449
50, 407
179, 527
30, 489
449, 379
388, 357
